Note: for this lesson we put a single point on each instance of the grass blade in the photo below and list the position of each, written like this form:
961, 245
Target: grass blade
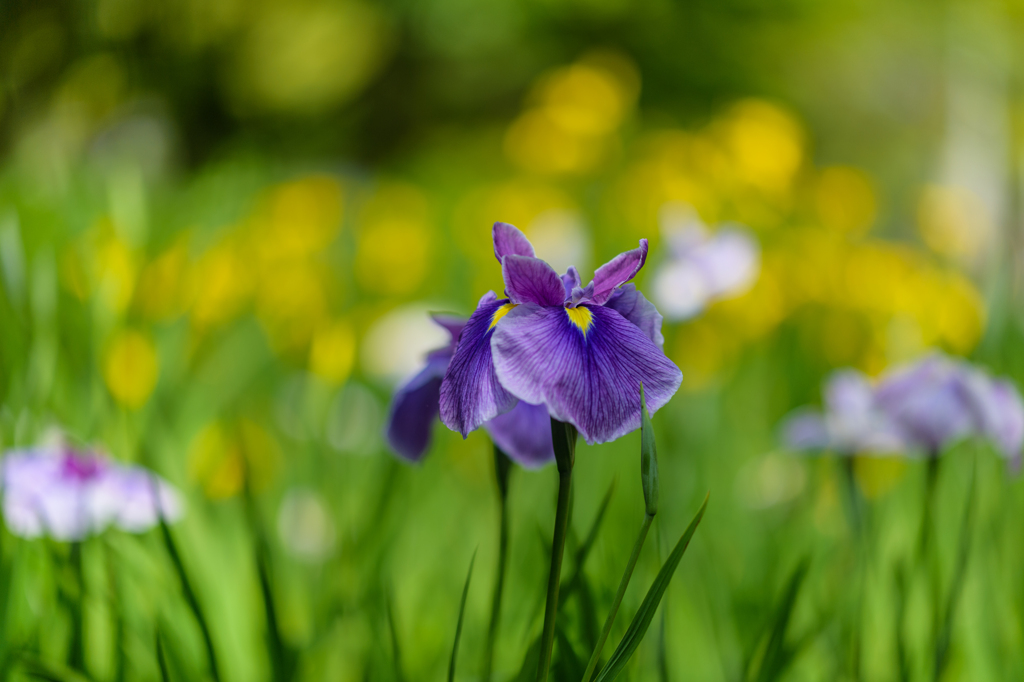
776, 655
190, 598
458, 627
161, 658
642, 620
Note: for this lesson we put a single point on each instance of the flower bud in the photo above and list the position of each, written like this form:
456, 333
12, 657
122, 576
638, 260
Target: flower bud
648, 458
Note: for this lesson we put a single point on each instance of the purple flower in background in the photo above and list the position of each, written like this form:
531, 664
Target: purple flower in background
923, 408
703, 267
523, 433
852, 421
69, 495
937, 401
582, 352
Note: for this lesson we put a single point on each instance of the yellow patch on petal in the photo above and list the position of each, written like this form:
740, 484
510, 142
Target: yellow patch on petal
500, 313
581, 317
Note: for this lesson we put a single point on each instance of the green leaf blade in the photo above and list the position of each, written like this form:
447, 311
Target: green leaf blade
458, 626
642, 620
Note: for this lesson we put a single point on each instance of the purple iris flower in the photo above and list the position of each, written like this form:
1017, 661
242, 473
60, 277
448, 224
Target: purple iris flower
582, 352
852, 421
523, 433
922, 408
937, 401
703, 267
69, 495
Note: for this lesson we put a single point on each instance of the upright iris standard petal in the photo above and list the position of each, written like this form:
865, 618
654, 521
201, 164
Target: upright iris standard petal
524, 434
571, 279
531, 280
470, 392
585, 364
632, 305
414, 409
617, 272
508, 241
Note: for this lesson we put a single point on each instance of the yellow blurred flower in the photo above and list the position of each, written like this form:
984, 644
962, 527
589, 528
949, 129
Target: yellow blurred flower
954, 221
131, 368
538, 143
116, 267
333, 352
161, 292
766, 144
222, 282
221, 457
307, 57
586, 99
291, 303
845, 199
298, 219
395, 240
574, 111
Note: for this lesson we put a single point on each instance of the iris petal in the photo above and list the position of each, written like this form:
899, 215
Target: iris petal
531, 280
632, 305
524, 434
508, 240
591, 381
618, 271
414, 409
470, 391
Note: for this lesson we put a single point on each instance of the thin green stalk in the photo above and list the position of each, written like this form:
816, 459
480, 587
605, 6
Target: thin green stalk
945, 632
563, 438
281, 658
502, 469
190, 598
76, 655
623, 584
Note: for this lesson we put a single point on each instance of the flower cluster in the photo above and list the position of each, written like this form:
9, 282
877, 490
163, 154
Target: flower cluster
920, 408
580, 351
69, 495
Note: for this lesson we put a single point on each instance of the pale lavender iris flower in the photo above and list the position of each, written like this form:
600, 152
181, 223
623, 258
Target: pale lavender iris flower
851, 422
70, 495
938, 401
920, 408
523, 433
580, 351
703, 267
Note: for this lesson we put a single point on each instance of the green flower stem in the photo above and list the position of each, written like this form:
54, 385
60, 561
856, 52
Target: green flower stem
76, 655
564, 439
623, 584
502, 469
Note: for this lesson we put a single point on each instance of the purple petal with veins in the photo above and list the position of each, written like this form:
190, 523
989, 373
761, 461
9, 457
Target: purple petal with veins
531, 280
524, 434
586, 364
470, 391
509, 240
618, 271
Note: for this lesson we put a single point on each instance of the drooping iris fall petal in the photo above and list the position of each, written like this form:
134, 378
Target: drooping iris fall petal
632, 305
414, 409
524, 434
585, 364
470, 392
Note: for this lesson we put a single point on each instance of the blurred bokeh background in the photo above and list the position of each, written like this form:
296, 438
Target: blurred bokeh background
222, 224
